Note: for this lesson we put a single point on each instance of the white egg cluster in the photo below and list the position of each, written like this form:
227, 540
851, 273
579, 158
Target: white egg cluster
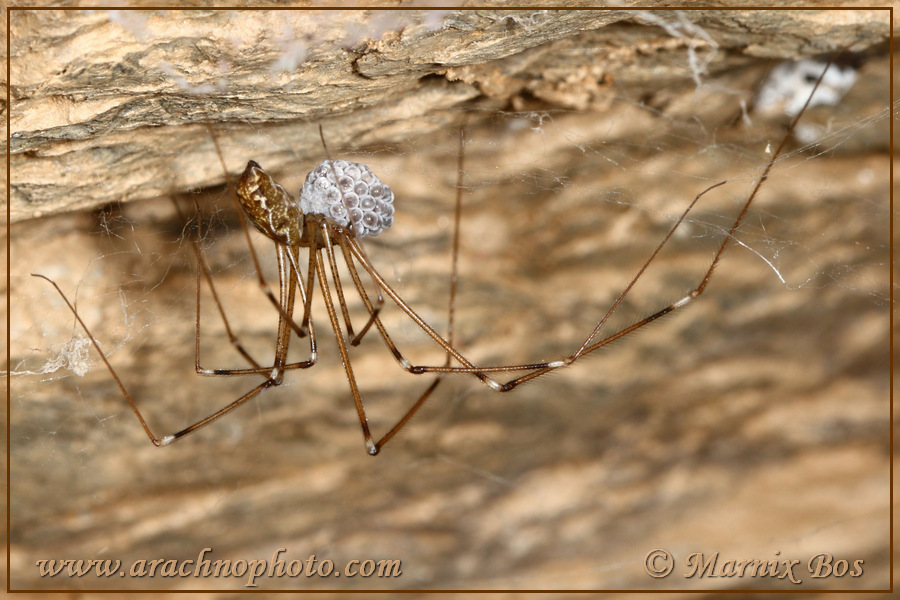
331, 191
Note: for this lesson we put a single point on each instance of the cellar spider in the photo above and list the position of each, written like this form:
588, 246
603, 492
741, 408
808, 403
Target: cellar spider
341, 203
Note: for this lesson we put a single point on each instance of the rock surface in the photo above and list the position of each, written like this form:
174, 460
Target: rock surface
752, 422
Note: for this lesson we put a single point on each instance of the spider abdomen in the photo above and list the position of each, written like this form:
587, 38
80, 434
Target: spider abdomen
332, 188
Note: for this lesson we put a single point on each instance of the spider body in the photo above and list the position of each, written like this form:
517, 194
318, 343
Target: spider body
331, 191
340, 203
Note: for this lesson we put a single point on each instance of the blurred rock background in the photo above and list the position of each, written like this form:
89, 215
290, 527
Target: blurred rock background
753, 422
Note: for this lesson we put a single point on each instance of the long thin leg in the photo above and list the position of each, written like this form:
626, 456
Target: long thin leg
451, 308
587, 347
339, 289
289, 281
290, 275
372, 447
216, 415
157, 441
204, 270
301, 331
539, 369
468, 367
339, 336
275, 372
310, 282
286, 304
379, 299
293, 256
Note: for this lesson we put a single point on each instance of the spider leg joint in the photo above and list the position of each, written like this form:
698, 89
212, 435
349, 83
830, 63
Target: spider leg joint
684, 300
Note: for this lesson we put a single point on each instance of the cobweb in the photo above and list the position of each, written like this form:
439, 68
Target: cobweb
715, 413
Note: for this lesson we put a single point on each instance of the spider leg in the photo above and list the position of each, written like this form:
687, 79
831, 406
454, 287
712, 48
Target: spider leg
310, 282
588, 346
157, 441
408, 415
288, 280
293, 257
375, 319
287, 256
284, 318
379, 300
329, 249
537, 369
204, 270
287, 288
314, 251
373, 316
454, 269
372, 447
583, 349
374, 309
468, 367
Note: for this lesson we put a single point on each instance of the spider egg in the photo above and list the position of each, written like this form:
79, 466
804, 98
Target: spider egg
332, 188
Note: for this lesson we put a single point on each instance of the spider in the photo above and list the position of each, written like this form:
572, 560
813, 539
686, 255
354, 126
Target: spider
340, 204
